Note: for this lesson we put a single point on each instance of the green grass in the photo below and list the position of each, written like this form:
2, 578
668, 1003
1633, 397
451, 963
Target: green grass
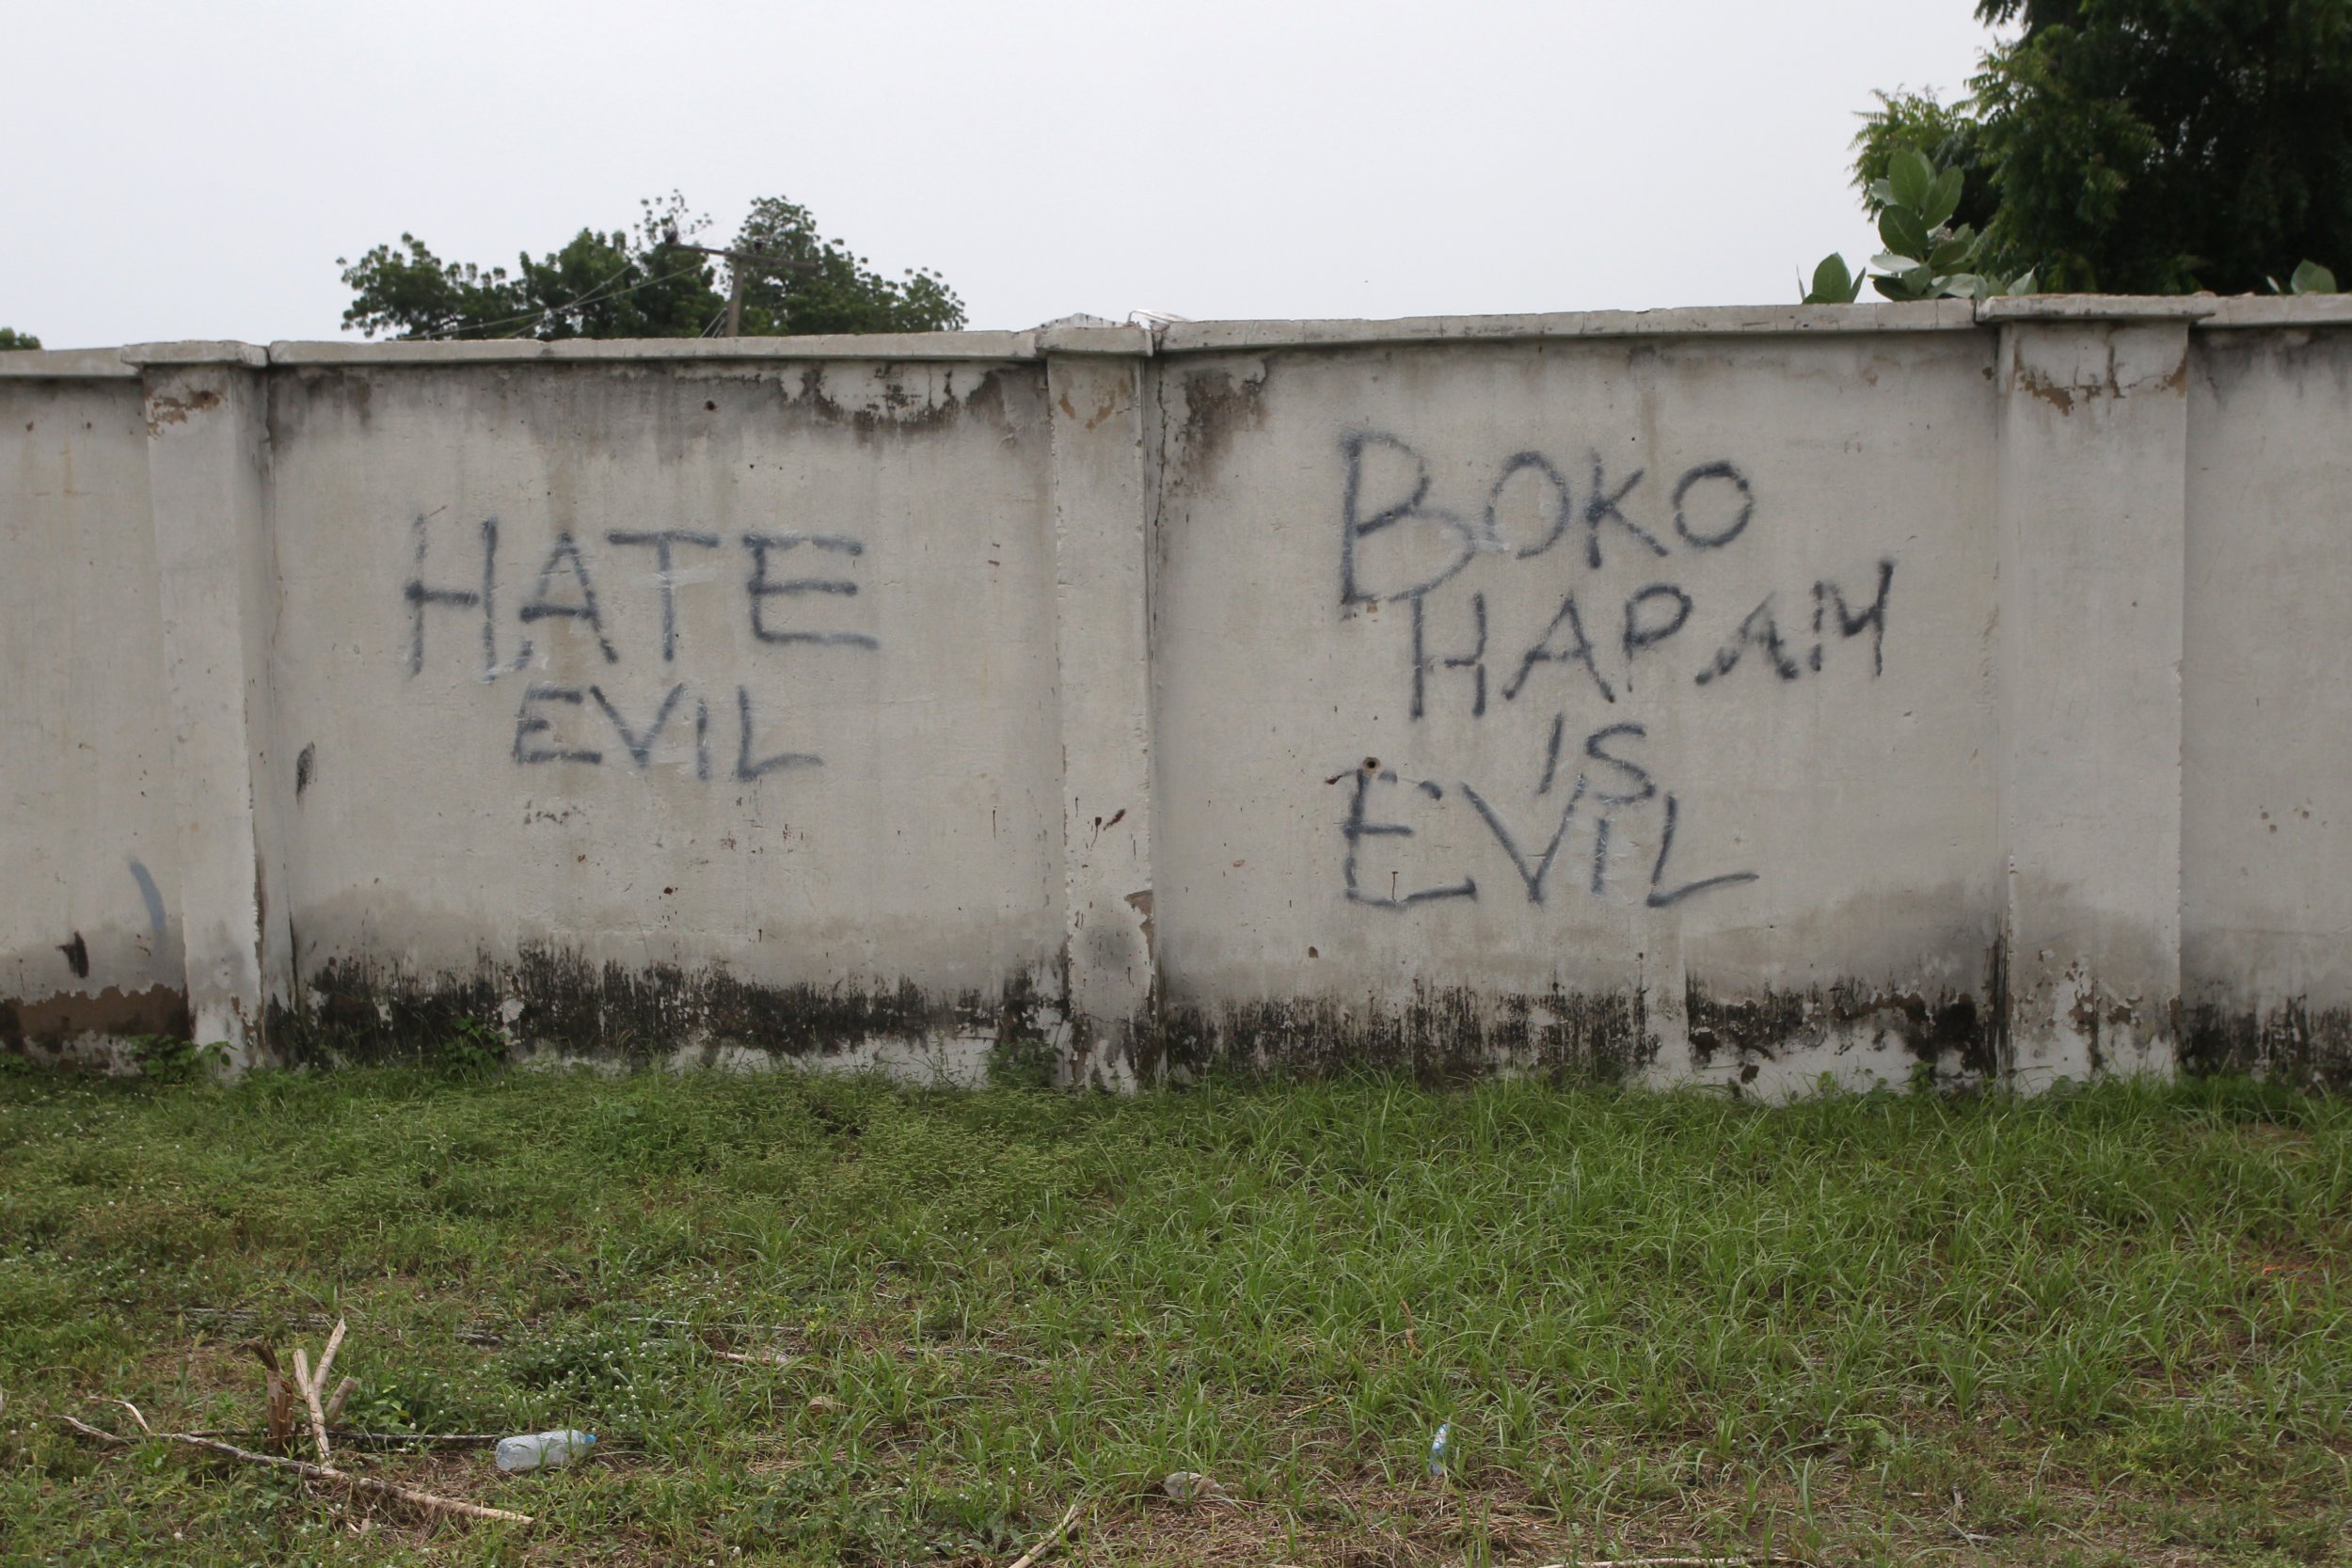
2101, 1326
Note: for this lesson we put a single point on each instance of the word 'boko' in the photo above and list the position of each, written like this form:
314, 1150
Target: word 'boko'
1388, 485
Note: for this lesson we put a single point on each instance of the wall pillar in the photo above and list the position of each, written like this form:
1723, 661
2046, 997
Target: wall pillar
207, 456
2092, 494
1104, 445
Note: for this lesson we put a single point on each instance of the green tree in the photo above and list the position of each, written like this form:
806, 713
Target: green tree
11, 338
818, 285
643, 282
2146, 146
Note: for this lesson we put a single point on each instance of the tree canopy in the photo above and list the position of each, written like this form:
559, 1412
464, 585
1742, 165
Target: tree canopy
642, 284
2146, 146
11, 338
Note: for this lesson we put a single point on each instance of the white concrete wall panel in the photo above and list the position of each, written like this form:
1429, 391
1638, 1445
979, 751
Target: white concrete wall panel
2266, 712
90, 928
1580, 704
671, 703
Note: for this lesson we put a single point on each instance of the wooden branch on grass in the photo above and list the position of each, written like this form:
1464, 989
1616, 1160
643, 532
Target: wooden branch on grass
313, 1385
327, 1356
311, 1398
353, 1438
279, 1399
314, 1472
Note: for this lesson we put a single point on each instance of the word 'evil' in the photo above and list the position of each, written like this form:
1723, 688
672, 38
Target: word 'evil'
1623, 786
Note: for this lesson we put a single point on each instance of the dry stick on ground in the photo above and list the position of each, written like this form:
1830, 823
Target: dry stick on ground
350, 1437
1037, 1554
344, 1391
279, 1413
314, 1384
311, 1398
327, 1356
315, 1472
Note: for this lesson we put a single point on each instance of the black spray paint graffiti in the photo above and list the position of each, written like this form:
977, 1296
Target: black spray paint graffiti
1622, 784
1591, 648
564, 590
1710, 505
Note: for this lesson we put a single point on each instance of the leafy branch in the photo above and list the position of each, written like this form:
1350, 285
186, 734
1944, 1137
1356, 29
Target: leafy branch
1927, 255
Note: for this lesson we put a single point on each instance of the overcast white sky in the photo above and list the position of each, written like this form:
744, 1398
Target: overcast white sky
181, 170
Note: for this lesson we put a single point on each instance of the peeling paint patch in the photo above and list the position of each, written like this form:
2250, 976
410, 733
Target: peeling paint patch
2111, 383
1141, 903
48, 1029
164, 408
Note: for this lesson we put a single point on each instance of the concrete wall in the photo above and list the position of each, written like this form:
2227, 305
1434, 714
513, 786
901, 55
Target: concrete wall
2266, 712
89, 926
1731, 695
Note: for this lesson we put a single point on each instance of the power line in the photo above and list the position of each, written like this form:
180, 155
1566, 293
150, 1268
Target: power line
604, 292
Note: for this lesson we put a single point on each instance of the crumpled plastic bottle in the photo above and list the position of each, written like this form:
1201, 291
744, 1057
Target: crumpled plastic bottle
542, 1450
1442, 1448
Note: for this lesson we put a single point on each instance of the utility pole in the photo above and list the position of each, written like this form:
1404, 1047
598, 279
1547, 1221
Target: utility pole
736, 260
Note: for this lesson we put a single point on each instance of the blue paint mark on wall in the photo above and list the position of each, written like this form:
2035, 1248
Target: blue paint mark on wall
153, 898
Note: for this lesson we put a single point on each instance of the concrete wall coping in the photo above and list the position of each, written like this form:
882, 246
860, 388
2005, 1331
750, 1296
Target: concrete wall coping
72, 364
2242, 310
1731, 320
197, 352
2105, 307
873, 345
1095, 340
1944, 315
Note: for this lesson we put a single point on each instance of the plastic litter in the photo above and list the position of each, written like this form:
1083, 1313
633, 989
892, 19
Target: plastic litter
542, 1450
1191, 1486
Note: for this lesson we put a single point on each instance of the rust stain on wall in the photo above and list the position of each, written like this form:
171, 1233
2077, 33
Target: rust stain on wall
163, 408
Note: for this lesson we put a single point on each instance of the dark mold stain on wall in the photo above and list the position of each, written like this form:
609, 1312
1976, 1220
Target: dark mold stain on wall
1218, 403
1930, 1028
363, 1012
2292, 1043
566, 402
901, 410
1445, 1034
